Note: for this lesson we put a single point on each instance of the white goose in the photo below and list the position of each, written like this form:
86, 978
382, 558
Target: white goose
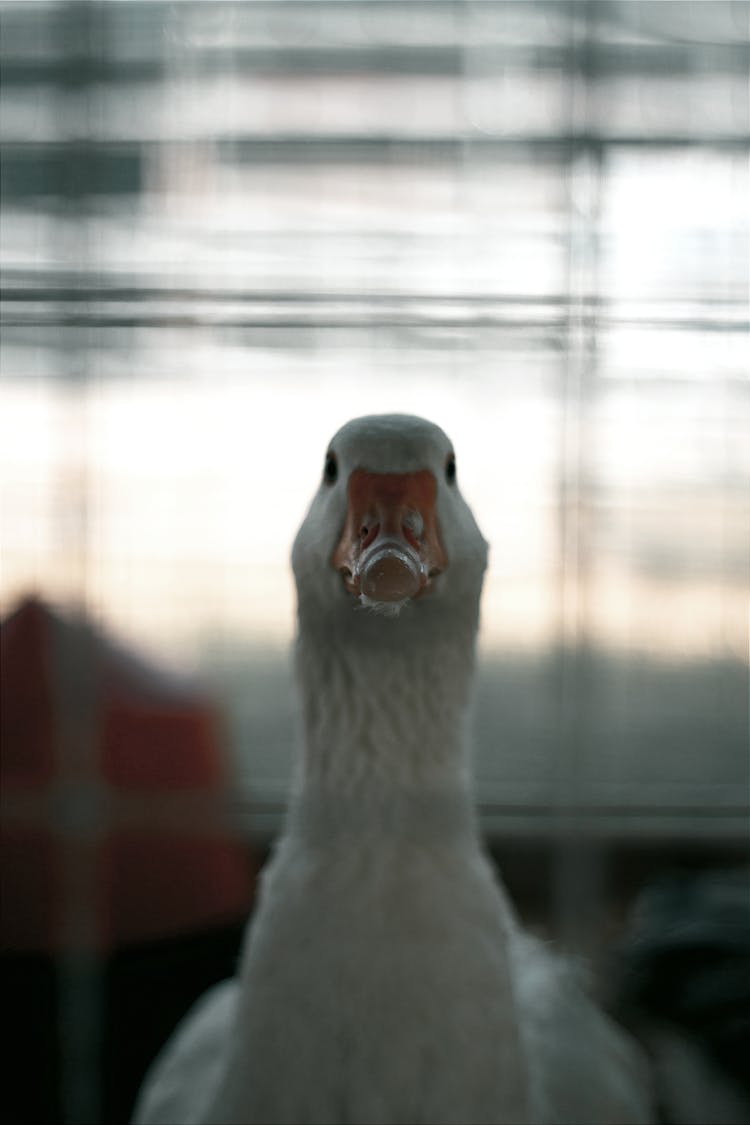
384, 976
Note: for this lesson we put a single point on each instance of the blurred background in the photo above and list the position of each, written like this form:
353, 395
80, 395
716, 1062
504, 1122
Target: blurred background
226, 229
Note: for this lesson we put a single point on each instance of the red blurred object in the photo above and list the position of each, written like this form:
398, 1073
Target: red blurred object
144, 871
32, 885
114, 785
26, 709
144, 747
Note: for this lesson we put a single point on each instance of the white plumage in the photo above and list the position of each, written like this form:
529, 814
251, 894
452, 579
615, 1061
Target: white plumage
384, 976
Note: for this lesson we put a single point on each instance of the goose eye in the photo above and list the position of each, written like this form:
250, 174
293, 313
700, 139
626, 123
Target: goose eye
450, 468
330, 469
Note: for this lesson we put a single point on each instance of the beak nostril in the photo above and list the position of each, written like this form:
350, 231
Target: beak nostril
414, 523
367, 533
410, 537
413, 528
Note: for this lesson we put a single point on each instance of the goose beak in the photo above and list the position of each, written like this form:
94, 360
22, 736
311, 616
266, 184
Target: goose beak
390, 550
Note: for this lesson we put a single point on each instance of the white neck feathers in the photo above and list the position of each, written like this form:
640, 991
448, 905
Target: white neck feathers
391, 714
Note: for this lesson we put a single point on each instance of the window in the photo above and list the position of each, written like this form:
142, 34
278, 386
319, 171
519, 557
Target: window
230, 227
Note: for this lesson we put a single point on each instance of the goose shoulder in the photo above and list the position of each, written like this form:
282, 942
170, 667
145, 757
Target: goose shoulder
180, 1084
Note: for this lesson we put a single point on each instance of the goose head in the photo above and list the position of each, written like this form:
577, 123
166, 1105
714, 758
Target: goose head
388, 534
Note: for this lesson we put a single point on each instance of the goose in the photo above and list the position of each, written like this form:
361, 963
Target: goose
384, 976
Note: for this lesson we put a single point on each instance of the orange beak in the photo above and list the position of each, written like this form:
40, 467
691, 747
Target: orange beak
389, 548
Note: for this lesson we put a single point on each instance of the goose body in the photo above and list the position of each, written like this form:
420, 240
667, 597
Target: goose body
384, 976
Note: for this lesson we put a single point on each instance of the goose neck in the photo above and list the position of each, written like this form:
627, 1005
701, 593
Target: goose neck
390, 716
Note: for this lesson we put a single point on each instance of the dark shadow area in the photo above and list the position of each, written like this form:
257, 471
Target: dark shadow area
148, 989
145, 992
30, 1089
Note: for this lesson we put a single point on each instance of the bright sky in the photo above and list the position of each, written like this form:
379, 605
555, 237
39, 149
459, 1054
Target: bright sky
165, 489
171, 506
